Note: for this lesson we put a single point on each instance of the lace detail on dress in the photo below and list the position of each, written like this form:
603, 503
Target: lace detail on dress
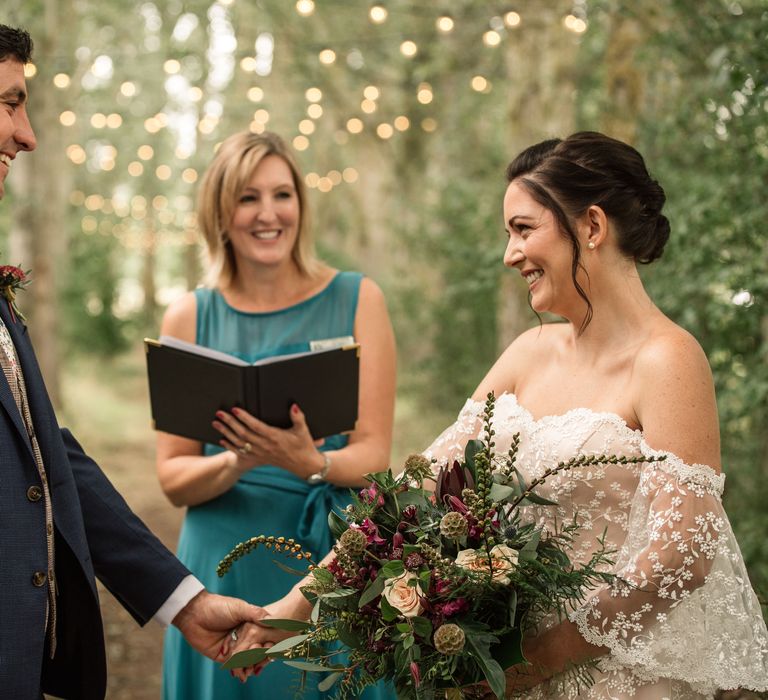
683, 620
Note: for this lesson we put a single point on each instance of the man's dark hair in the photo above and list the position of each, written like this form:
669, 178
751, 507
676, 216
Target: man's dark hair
15, 43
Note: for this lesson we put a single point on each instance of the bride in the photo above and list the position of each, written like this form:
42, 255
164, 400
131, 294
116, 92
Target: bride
617, 377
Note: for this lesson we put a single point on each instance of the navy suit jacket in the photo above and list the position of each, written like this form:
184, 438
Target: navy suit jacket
96, 535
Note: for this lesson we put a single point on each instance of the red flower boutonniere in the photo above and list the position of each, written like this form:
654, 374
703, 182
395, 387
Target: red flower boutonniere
13, 279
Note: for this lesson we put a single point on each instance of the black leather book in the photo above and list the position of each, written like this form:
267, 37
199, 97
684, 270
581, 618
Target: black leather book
188, 383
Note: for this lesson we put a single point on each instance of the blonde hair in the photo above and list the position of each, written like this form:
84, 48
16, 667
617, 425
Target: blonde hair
226, 177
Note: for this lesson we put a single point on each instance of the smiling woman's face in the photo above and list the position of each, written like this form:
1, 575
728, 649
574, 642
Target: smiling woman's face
539, 250
265, 222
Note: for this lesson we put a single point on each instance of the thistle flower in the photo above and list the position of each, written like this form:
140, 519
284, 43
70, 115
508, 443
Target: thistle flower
449, 639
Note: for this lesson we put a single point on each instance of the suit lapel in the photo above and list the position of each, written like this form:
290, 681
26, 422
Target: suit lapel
18, 332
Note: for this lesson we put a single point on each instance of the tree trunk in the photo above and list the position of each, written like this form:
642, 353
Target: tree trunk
38, 237
624, 80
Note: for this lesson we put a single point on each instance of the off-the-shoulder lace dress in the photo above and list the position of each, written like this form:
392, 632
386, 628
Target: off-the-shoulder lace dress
691, 622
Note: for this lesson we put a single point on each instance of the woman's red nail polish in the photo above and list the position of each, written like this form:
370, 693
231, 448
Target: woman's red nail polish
295, 408
236, 411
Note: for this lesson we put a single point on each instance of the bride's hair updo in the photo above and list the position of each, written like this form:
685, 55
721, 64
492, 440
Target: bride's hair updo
567, 176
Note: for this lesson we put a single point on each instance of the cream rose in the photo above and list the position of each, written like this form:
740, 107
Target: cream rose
503, 559
402, 597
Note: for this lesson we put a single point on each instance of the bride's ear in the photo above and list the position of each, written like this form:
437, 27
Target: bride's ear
595, 227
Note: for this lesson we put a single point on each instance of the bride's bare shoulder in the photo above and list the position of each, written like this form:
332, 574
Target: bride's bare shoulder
529, 348
668, 345
675, 402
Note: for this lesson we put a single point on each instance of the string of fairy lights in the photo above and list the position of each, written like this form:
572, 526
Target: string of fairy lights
147, 222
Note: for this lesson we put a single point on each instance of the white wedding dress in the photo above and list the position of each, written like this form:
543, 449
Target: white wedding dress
691, 623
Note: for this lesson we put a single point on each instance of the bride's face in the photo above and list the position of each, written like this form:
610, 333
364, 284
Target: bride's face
540, 252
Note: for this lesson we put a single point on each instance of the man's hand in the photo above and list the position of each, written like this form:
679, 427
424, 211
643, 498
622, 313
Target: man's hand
208, 619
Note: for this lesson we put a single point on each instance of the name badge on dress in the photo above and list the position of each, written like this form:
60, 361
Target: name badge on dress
330, 343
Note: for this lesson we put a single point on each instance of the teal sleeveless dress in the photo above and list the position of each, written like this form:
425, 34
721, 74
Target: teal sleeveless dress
267, 500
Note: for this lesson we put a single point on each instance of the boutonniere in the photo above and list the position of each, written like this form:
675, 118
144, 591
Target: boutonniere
12, 280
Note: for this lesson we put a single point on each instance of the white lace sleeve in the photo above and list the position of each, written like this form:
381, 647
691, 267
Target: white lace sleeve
688, 611
452, 441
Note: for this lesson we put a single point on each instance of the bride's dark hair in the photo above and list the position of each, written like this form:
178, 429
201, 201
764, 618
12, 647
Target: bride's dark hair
568, 176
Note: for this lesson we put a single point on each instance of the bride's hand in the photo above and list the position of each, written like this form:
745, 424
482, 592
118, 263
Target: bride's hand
519, 677
251, 636
253, 442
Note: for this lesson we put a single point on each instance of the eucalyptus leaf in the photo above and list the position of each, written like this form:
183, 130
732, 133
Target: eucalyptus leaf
520, 480
243, 659
287, 625
512, 606
328, 682
500, 492
286, 644
341, 593
307, 666
289, 569
528, 552
539, 500
315, 614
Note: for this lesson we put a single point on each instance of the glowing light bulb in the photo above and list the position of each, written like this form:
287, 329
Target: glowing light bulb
378, 14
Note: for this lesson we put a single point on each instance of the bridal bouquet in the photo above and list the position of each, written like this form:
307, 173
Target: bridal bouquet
433, 591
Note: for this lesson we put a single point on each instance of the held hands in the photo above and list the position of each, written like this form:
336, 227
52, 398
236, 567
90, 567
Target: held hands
251, 636
252, 442
207, 620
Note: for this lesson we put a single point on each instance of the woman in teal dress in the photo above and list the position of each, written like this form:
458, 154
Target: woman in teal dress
268, 296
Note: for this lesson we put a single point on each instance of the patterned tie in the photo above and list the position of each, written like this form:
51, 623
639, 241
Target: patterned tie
12, 370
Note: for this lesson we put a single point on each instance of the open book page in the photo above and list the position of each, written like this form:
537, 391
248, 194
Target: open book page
313, 351
171, 342
318, 347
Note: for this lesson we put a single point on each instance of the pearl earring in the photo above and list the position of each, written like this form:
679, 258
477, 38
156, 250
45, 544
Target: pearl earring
591, 245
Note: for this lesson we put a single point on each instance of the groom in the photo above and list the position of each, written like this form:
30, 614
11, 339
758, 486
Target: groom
61, 521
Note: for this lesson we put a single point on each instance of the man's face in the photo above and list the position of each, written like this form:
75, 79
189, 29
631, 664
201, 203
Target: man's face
15, 130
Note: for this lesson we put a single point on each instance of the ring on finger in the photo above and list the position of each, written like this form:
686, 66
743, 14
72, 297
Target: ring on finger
233, 635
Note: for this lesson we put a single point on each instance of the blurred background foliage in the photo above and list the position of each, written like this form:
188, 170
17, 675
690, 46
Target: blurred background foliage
403, 114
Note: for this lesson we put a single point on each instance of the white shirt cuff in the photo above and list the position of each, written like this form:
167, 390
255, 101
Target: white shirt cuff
185, 591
